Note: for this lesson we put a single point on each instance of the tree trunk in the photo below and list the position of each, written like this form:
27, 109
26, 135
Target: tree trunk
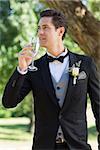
82, 26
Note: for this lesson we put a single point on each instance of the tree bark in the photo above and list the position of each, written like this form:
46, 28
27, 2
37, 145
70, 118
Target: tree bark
83, 27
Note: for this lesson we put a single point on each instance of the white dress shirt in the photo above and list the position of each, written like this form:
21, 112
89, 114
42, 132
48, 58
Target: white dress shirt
57, 68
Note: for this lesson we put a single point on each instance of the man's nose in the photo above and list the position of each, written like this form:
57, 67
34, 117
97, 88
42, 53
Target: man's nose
40, 32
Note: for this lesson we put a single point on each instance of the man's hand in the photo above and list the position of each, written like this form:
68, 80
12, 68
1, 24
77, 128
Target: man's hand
25, 58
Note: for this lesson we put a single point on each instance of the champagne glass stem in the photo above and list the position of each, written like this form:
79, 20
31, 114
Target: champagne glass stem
32, 64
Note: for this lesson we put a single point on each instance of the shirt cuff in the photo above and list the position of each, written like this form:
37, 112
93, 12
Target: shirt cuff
22, 72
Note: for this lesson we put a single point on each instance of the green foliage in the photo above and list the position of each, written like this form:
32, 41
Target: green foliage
94, 6
4, 113
18, 23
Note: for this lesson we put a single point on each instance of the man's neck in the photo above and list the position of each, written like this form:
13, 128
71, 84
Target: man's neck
56, 51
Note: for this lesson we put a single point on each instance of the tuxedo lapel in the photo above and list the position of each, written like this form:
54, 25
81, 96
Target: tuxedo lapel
72, 60
47, 80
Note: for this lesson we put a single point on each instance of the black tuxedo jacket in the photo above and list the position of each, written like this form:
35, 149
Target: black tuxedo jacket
48, 114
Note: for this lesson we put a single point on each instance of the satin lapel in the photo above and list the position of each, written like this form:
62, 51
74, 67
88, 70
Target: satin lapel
47, 80
72, 60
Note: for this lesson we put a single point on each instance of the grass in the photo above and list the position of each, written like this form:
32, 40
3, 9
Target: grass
14, 130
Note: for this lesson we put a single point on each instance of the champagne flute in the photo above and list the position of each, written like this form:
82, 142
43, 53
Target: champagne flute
35, 48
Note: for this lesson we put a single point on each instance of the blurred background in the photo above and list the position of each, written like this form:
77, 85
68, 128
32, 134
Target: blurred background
18, 23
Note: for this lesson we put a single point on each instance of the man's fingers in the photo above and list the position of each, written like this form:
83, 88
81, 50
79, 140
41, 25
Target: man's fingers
27, 48
24, 52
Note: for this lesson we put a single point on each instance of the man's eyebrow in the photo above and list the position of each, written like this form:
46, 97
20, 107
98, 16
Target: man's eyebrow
44, 25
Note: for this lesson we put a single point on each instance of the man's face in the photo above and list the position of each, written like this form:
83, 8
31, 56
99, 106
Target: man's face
47, 33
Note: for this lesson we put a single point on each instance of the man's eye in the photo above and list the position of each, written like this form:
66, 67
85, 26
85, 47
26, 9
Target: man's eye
45, 27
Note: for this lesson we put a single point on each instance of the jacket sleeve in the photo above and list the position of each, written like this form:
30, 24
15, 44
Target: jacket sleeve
16, 89
94, 94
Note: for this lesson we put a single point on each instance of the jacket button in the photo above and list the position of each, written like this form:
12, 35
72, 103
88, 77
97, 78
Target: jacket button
58, 99
58, 88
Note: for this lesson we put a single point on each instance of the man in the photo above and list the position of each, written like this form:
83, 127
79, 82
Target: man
59, 86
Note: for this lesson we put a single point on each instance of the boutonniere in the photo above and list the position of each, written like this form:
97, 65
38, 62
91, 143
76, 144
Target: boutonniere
74, 71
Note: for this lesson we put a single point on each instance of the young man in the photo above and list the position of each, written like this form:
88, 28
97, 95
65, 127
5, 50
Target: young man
59, 86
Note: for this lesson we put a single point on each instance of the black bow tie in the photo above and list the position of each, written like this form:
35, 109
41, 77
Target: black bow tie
61, 58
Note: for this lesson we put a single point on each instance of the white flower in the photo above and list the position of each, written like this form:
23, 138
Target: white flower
74, 70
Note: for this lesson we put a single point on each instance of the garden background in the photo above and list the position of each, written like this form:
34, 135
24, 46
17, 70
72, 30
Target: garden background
18, 23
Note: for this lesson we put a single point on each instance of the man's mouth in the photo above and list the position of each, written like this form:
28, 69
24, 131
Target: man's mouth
42, 39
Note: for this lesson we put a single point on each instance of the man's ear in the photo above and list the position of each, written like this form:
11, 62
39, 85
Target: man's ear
61, 31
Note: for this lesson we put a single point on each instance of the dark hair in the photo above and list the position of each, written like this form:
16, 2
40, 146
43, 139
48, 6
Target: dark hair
58, 18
